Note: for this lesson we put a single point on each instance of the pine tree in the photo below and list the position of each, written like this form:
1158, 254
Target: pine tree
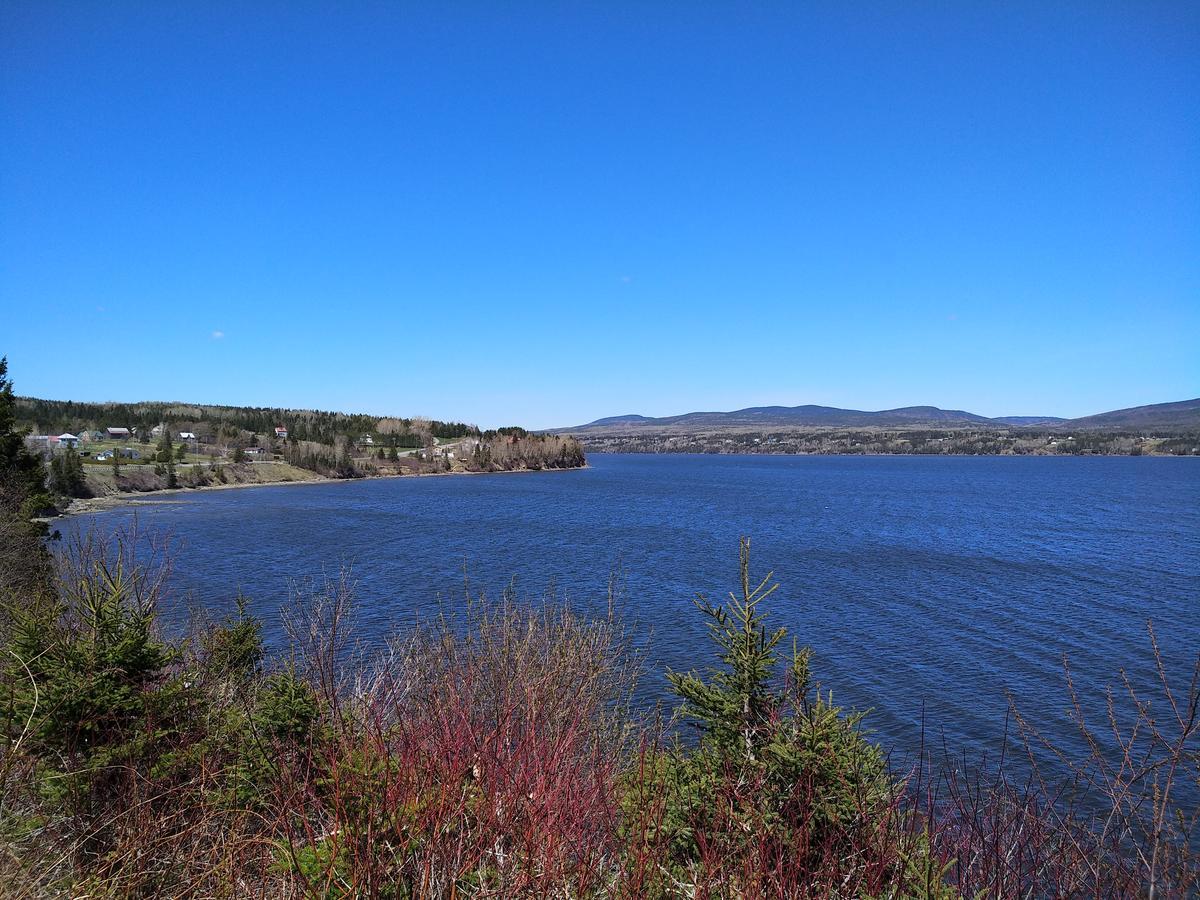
810, 766
166, 448
88, 657
77, 475
736, 706
22, 471
166, 455
66, 474
25, 564
344, 467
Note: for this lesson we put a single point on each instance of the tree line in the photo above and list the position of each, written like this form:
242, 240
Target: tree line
55, 416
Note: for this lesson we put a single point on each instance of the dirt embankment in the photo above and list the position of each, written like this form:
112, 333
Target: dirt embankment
135, 482
141, 486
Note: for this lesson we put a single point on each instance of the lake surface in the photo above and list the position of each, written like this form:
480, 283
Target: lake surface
927, 586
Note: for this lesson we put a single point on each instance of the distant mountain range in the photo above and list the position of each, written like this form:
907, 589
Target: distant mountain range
1171, 416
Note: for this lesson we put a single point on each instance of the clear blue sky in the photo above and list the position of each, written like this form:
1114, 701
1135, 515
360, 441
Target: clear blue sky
575, 210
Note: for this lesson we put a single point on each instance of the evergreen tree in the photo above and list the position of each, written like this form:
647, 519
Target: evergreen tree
811, 769
345, 464
25, 568
166, 447
66, 474
88, 659
22, 472
166, 456
737, 704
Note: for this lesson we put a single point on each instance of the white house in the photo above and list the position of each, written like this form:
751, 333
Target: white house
187, 436
65, 440
281, 433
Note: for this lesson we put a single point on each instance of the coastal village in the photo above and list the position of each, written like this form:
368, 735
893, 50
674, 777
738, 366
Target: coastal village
197, 444
98, 446
96, 452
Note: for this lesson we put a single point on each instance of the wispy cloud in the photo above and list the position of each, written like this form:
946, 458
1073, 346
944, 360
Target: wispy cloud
217, 335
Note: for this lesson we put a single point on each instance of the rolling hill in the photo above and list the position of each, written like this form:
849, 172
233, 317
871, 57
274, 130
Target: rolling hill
1181, 415
1163, 416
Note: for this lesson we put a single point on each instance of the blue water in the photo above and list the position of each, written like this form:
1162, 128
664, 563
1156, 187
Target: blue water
929, 587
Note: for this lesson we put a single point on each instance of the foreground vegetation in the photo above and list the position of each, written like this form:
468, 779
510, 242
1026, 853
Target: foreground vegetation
497, 753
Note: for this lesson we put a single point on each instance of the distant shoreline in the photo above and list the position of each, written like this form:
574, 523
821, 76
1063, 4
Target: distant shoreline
877, 454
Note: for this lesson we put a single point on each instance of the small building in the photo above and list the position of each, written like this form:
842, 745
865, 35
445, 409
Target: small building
116, 434
64, 441
255, 452
87, 436
280, 433
366, 440
156, 431
187, 436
